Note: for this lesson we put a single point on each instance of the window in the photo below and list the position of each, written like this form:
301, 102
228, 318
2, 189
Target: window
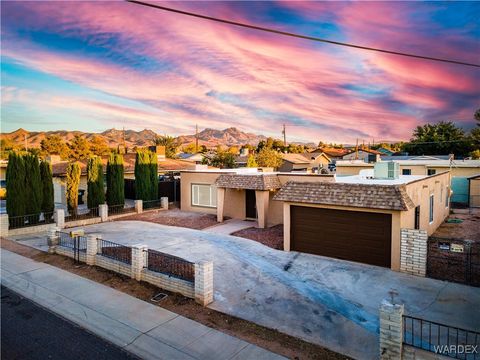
417, 217
431, 172
431, 209
204, 195
407, 172
447, 197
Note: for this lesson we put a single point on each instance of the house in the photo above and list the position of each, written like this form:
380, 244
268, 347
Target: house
325, 214
332, 153
385, 152
416, 157
364, 154
241, 160
474, 191
460, 171
304, 162
195, 158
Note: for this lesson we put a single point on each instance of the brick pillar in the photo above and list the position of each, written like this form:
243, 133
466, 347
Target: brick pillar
164, 202
52, 240
204, 282
4, 224
138, 206
92, 248
60, 218
220, 203
413, 252
139, 260
391, 330
103, 212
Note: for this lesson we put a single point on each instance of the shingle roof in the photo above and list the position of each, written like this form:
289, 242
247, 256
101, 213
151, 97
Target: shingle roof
250, 182
296, 158
356, 195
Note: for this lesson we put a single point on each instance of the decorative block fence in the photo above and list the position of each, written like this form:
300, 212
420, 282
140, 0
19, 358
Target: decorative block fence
413, 252
193, 280
30, 224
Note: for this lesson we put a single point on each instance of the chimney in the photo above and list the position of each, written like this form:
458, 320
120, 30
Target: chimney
159, 150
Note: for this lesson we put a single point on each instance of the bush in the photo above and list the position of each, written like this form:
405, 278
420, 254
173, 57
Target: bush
48, 203
142, 175
115, 181
73, 180
33, 186
15, 177
153, 176
95, 187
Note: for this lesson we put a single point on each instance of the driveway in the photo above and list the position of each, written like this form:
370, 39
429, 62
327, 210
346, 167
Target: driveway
329, 302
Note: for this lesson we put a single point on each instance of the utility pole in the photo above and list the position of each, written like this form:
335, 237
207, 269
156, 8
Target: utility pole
284, 133
196, 138
356, 151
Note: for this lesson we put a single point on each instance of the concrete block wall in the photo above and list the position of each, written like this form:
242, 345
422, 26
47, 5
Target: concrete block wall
113, 265
169, 283
60, 250
204, 282
413, 252
391, 330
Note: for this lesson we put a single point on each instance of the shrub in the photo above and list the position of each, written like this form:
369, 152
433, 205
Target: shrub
115, 181
95, 187
142, 175
73, 180
153, 176
15, 177
48, 203
33, 186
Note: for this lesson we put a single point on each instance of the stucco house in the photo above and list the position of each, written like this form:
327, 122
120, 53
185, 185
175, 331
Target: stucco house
304, 162
352, 218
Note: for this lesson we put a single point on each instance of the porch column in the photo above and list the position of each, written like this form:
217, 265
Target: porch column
286, 226
220, 203
262, 198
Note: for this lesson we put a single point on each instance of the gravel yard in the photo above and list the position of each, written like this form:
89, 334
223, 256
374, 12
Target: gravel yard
176, 217
468, 229
271, 237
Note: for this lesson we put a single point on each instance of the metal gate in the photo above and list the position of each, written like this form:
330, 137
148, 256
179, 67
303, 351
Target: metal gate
454, 260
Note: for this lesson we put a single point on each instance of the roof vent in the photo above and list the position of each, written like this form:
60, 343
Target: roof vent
386, 170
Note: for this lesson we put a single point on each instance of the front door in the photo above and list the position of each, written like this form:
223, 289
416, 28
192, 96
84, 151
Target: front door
250, 204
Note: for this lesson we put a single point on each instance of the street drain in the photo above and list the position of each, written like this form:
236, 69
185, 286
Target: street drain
159, 297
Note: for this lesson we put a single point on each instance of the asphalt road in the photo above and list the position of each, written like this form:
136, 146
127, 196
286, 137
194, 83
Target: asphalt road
30, 332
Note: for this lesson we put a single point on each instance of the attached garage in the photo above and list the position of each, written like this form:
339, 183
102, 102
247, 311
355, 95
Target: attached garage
348, 235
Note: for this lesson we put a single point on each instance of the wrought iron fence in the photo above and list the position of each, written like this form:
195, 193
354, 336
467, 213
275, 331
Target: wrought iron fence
441, 339
15, 222
91, 213
115, 251
78, 243
170, 265
119, 209
151, 204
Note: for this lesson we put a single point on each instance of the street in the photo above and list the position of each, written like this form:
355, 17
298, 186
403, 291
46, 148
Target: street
29, 332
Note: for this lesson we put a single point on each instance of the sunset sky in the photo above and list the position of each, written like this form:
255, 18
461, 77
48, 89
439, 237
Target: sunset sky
91, 66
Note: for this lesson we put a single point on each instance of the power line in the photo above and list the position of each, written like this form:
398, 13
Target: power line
305, 37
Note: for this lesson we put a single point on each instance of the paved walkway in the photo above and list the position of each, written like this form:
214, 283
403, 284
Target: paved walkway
143, 329
230, 226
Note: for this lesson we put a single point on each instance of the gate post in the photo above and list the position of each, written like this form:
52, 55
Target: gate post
139, 260
52, 240
103, 212
164, 202
391, 330
91, 249
4, 224
138, 206
413, 252
204, 282
59, 216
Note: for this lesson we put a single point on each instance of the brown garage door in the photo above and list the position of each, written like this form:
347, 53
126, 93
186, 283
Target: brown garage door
348, 235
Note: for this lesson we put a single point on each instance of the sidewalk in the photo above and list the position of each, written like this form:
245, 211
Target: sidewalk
230, 226
143, 329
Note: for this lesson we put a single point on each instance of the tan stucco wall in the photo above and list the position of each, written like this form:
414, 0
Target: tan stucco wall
186, 181
352, 170
416, 169
284, 178
475, 192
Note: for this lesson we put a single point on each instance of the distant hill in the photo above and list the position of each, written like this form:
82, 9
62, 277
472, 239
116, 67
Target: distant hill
207, 137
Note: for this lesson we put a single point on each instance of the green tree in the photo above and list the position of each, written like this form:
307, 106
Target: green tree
48, 202
441, 138
79, 148
251, 162
98, 146
170, 144
54, 145
7, 146
143, 188
189, 148
16, 194
475, 154
476, 116
73, 181
153, 175
268, 157
95, 187
115, 182
33, 186
222, 159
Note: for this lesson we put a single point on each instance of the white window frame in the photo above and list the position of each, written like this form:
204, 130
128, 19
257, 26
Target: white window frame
195, 195
405, 170
430, 213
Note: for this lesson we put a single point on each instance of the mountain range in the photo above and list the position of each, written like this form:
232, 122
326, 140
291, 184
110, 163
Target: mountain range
208, 137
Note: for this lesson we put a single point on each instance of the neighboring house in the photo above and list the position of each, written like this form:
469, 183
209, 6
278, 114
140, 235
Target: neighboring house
332, 153
364, 154
306, 162
460, 170
241, 160
165, 165
416, 157
385, 152
195, 158
474, 190
351, 218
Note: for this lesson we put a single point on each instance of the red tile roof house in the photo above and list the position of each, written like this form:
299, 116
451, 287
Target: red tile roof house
350, 218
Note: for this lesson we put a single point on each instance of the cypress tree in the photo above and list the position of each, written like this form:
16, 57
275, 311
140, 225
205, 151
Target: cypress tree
95, 187
16, 194
33, 187
73, 180
115, 182
153, 175
48, 203
142, 176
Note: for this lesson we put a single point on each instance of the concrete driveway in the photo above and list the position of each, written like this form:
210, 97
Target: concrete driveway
329, 302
